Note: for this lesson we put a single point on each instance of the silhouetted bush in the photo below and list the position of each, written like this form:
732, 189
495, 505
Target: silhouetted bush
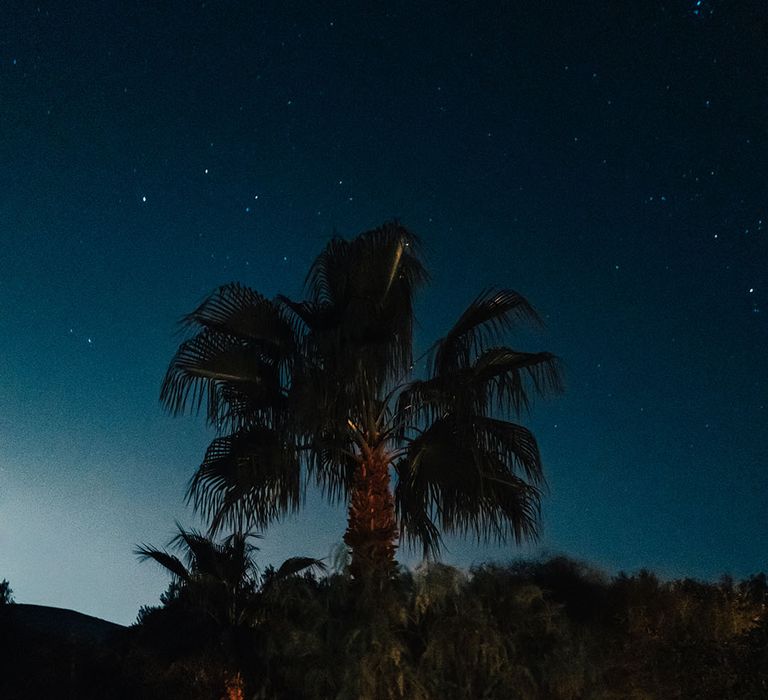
6, 593
555, 630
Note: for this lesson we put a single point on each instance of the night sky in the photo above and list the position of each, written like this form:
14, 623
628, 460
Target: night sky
609, 162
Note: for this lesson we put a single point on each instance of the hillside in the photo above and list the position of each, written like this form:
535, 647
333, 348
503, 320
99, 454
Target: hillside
43, 622
43, 650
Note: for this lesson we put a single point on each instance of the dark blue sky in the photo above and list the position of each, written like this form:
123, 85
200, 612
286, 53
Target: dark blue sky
607, 160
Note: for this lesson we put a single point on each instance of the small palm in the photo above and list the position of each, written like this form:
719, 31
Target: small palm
220, 579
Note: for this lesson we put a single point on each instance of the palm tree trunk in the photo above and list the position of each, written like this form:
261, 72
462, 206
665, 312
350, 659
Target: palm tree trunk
371, 525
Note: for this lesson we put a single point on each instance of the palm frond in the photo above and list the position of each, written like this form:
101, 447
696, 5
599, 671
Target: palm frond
500, 379
203, 555
304, 315
241, 340
542, 368
484, 321
424, 400
237, 558
210, 360
513, 445
416, 517
249, 478
240, 541
365, 288
295, 565
449, 479
331, 463
508, 377
167, 561
238, 311
328, 278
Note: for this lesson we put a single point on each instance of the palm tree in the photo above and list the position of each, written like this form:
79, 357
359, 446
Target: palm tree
221, 579
322, 392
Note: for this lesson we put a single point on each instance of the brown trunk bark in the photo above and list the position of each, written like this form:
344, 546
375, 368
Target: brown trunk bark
371, 525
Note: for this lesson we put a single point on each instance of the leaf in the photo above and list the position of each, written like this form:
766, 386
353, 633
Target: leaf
166, 560
250, 477
295, 565
238, 311
209, 361
449, 478
483, 322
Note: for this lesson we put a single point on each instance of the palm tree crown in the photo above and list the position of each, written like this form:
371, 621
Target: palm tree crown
220, 578
320, 392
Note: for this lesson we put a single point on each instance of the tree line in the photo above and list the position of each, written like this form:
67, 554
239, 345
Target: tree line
553, 629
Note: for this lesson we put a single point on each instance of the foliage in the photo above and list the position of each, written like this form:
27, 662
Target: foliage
6, 592
217, 599
554, 630
549, 630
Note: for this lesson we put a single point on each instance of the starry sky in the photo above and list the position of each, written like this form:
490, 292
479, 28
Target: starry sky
608, 160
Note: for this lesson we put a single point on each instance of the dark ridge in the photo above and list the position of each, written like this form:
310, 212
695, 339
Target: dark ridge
56, 624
